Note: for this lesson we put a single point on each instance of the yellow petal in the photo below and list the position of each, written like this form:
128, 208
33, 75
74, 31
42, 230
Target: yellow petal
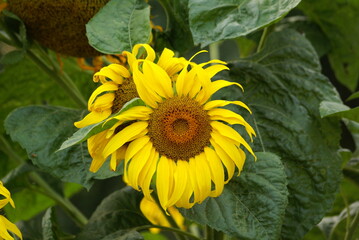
214, 69
203, 175
219, 84
135, 130
180, 182
231, 118
117, 157
164, 180
193, 179
184, 201
95, 145
226, 160
115, 72
159, 80
148, 96
217, 172
229, 148
230, 133
151, 55
134, 113
103, 102
137, 163
147, 173
177, 216
113, 161
5, 226
213, 61
154, 214
92, 118
221, 103
106, 87
180, 82
135, 146
6, 193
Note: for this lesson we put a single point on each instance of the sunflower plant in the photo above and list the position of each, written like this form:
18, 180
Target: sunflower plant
213, 120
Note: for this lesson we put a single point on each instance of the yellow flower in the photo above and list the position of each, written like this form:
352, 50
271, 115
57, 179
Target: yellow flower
154, 214
6, 225
116, 89
179, 139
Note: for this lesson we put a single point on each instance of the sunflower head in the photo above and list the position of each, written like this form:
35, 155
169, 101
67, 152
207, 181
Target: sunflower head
5, 225
59, 24
180, 142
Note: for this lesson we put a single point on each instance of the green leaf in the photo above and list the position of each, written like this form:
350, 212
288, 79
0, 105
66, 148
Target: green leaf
353, 96
153, 236
335, 109
88, 131
339, 21
312, 32
47, 225
13, 57
214, 20
50, 227
18, 171
15, 24
285, 88
41, 130
119, 25
118, 211
25, 198
252, 206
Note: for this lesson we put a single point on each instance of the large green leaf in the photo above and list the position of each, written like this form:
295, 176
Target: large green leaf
214, 20
335, 109
251, 206
41, 130
118, 211
339, 21
119, 25
284, 91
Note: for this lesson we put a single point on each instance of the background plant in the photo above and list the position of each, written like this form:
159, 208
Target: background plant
298, 62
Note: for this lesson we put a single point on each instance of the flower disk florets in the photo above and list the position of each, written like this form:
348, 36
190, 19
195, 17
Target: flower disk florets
179, 128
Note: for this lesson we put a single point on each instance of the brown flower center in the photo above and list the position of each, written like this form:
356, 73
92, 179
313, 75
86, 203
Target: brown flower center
179, 128
126, 91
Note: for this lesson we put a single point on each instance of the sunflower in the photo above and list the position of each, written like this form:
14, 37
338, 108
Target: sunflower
6, 225
180, 138
117, 88
154, 214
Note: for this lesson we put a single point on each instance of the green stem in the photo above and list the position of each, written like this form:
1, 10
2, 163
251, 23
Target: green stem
176, 230
353, 227
263, 39
78, 217
73, 211
62, 79
214, 52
